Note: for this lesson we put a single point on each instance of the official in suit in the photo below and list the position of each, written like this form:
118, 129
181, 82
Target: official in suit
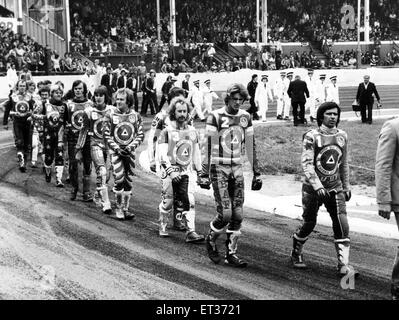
186, 84
387, 184
109, 81
251, 88
122, 79
132, 85
365, 99
297, 91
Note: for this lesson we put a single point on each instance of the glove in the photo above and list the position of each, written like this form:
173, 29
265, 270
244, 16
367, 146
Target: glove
348, 195
173, 174
323, 195
256, 183
78, 155
384, 214
203, 180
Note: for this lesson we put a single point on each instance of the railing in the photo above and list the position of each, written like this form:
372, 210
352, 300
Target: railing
43, 36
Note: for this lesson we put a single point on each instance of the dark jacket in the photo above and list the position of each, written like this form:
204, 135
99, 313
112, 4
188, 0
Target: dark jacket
297, 90
105, 82
251, 87
364, 95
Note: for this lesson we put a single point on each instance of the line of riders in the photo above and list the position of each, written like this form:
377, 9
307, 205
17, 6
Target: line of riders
94, 131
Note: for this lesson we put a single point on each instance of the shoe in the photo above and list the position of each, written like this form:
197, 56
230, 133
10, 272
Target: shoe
178, 224
213, 252
33, 165
295, 124
119, 214
279, 117
107, 211
128, 215
287, 118
22, 169
297, 261
67, 180
48, 177
162, 231
312, 119
87, 197
73, 195
193, 237
59, 184
234, 261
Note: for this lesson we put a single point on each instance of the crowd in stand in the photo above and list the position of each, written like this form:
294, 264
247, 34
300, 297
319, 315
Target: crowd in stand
20, 50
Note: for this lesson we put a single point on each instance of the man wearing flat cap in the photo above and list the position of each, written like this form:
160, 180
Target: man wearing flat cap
365, 99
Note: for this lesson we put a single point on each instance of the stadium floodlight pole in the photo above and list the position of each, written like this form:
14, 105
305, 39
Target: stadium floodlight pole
264, 21
257, 25
20, 19
358, 35
172, 6
158, 22
367, 20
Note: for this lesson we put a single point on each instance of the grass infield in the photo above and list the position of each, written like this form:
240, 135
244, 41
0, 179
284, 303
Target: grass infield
279, 149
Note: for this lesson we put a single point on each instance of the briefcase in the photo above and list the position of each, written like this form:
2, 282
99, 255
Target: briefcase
355, 106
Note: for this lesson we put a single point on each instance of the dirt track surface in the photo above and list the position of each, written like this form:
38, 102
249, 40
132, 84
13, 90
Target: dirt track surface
52, 248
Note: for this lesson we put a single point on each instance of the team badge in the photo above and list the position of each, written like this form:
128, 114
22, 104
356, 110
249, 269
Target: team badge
98, 128
231, 140
115, 119
124, 133
193, 135
94, 115
327, 160
341, 141
132, 118
182, 152
53, 119
22, 107
78, 119
244, 122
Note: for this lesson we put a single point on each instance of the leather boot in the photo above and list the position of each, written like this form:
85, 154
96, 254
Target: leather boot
87, 196
231, 248
296, 253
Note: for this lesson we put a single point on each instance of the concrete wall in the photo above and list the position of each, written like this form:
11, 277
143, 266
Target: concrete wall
220, 81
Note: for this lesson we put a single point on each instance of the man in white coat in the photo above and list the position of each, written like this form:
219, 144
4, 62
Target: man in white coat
311, 101
262, 94
208, 96
332, 92
320, 91
280, 93
197, 99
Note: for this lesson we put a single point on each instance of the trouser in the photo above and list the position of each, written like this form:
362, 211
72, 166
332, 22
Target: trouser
136, 101
37, 144
198, 111
51, 150
174, 196
367, 112
149, 98
299, 117
22, 132
311, 104
263, 107
395, 270
335, 206
163, 100
122, 168
252, 109
99, 156
73, 163
228, 190
282, 107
